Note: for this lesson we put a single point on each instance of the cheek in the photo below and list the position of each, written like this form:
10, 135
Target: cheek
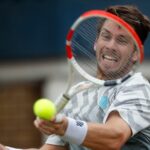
98, 45
127, 54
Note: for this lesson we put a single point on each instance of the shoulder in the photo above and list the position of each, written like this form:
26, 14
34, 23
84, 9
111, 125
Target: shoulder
137, 79
137, 86
135, 82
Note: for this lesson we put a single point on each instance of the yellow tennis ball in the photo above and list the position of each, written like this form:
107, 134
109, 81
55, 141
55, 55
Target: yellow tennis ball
44, 109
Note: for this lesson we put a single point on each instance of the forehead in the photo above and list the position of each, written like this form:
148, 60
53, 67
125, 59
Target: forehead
114, 27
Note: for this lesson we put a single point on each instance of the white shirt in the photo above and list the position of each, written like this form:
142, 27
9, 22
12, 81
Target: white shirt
131, 99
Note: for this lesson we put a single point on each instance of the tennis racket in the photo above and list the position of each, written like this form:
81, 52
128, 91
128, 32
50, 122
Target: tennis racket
91, 55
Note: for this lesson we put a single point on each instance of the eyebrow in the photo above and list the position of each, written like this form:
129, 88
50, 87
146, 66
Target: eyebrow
106, 30
122, 36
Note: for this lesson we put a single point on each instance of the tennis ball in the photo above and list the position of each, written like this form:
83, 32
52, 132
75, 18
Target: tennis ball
44, 109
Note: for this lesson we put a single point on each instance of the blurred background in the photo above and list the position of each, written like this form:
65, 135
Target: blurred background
33, 62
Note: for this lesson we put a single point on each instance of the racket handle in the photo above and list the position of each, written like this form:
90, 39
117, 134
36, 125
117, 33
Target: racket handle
63, 101
59, 118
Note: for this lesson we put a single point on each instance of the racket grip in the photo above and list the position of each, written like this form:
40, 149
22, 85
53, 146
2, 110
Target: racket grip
59, 118
63, 101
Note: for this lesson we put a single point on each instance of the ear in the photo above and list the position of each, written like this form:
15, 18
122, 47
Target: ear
135, 56
95, 44
94, 47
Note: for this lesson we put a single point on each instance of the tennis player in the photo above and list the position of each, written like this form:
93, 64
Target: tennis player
113, 117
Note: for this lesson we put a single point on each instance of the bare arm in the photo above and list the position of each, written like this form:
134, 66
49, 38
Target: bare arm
109, 136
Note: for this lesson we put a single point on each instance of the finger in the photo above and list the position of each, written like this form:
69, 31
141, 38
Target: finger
43, 128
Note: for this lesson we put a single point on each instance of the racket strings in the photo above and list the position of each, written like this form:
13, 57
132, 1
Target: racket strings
83, 41
85, 33
87, 26
82, 52
83, 44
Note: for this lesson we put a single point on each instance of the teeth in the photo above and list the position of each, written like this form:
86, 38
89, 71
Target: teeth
109, 58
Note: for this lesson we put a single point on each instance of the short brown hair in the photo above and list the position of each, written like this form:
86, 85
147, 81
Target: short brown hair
132, 15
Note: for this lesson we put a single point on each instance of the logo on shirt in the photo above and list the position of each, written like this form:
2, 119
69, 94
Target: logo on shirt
103, 102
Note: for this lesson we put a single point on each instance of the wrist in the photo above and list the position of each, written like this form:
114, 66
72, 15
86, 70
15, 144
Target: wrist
76, 131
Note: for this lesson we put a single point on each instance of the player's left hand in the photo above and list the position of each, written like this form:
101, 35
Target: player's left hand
51, 126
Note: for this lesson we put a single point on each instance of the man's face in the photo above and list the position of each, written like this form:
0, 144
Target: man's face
115, 50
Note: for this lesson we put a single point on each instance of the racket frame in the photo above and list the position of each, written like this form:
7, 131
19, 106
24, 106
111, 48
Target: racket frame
72, 63
101, 13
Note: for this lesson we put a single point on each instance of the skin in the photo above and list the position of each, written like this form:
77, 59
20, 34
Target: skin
114, 49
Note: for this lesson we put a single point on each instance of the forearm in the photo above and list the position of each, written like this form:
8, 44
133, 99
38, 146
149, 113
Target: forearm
93, 135
109, 136
103, 137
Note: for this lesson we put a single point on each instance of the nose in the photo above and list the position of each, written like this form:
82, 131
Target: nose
111, 44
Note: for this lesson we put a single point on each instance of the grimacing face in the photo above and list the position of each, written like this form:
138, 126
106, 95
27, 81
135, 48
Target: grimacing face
115, 51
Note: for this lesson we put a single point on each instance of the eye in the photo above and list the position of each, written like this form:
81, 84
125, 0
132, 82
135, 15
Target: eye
122, 41
105, 36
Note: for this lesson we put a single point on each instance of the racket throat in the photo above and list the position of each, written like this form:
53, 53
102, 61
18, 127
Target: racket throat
62, 102
118, 81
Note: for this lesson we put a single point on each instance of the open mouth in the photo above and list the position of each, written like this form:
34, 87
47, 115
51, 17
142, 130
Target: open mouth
109, 58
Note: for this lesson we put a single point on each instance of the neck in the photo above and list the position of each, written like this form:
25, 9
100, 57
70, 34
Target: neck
111, 76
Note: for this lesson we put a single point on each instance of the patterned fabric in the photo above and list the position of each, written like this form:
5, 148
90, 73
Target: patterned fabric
130, 98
